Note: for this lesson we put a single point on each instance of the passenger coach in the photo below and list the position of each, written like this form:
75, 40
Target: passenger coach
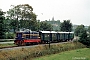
52, 36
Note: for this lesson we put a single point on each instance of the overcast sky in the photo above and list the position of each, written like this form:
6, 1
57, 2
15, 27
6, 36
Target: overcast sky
78, 11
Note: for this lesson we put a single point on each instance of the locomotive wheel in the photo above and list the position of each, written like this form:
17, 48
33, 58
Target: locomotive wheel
36, 43
22, 43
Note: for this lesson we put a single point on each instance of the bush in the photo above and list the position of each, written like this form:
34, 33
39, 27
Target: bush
85, 39
10, 35
82, 33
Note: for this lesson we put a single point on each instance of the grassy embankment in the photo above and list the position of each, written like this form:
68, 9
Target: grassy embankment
37, 51
78, 54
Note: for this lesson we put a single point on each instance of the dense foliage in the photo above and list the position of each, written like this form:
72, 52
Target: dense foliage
66, 26
45, 26
2, 25
20, 17
88, 29
82, 33
79, 30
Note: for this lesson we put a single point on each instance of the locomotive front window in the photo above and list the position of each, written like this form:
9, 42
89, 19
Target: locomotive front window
19, 36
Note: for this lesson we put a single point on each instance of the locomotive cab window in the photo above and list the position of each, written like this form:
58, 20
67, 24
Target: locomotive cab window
18, 34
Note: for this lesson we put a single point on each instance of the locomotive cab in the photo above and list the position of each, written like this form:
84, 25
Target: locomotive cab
19, 38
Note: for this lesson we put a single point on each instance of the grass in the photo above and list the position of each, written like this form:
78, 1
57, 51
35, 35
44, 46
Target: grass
6, 40
37, 51
7, 45
78, 54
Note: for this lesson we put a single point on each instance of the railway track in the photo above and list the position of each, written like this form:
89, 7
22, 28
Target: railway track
8, 47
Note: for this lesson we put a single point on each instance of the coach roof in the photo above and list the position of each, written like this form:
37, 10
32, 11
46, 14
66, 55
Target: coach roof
48, 32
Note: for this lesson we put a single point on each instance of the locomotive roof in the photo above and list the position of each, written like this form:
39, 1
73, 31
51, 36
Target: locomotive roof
27, 32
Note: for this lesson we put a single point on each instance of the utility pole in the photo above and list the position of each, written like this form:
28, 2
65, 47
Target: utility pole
50, 37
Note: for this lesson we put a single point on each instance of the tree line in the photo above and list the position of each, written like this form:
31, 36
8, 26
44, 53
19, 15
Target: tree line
22, 17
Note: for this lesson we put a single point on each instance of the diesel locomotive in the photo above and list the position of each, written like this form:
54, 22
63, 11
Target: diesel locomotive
33, 37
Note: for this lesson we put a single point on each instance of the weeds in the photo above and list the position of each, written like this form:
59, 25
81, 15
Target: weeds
28, 53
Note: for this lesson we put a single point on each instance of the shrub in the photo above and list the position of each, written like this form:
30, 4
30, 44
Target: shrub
82, 33
10, 35
85, 39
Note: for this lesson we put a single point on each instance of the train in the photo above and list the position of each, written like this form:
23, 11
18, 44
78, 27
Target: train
34, 37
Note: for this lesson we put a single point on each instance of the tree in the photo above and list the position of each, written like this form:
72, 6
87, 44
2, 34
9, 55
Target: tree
13, 14
79, 30
2, 26
24, 16
13, 24
33, 23
82, 33
66, 26
84, 38
45, 26
6, 24
88, 29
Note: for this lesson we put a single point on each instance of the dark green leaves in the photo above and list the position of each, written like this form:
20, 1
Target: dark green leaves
66, 26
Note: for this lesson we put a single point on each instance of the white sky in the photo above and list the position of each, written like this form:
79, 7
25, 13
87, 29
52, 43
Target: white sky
78, 11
